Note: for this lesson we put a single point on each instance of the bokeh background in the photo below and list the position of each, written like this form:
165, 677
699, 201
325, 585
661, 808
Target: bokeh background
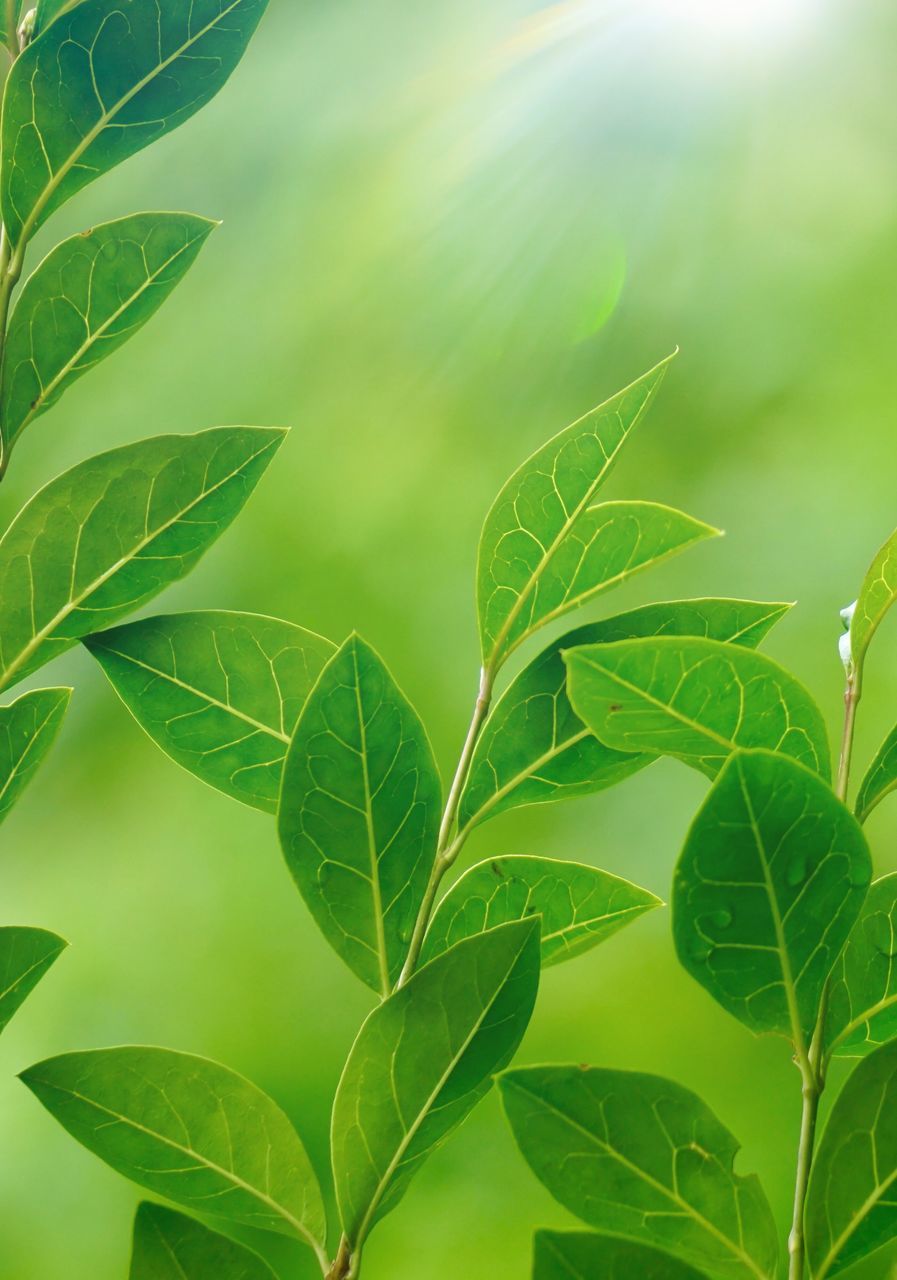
448, 230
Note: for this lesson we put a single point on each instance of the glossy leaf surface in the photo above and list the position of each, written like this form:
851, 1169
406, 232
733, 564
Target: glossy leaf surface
25, 956
422, 1061
219, 692
862, 1006
109, 534
694, 699
770, 882
583, 1255
578, 906
170, 1246
28, 728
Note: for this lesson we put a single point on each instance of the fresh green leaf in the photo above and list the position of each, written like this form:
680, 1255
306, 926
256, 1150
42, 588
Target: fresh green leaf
85, 300
47, 11
880, 779
534, 748
608, 544
170, 1246
533, 517
579, 906
862, 1005
188, 1129
104, 80
107, 536
694, 699
28, 727
25, 956
422, 1061
359, 812
877, 594
218, 692
769, 884
641, 1157
582, 1255
852, 1206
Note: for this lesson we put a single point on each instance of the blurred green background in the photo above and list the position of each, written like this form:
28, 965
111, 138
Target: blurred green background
450, 229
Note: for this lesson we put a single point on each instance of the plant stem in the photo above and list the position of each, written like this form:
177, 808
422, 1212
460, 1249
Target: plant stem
343, 1265
12, 33
851, 700
447, 849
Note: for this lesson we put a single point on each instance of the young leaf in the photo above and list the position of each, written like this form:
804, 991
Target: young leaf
188, 1129
862, 1006
851, 1206
769, 885
107, 536
537, 509
105, 79
694, 699
534, 748
25, 956
877, 594
422, 1061
608, 545
359, 812
579, 906
170, 1246
641, 1157
218, 692
880, 779
28, 727
85, 300
582, 1255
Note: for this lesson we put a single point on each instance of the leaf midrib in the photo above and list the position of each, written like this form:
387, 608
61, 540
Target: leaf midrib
865, 1208
32, 743
690, 1210
75, 603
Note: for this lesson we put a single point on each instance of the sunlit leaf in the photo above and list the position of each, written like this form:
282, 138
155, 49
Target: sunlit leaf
851, 1206
85, 300
104, 80
188, 1129
534, 514
862, 1005
108, 535
880, 778
218, 692
534, 748
877, 594
583, 1255
28, 727
359, 812
422, 1061
25, 956
578, 906
694, 699
170, 1246
641, 1157
769, 884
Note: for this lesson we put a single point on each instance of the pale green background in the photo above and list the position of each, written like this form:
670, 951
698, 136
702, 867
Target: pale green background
449, 229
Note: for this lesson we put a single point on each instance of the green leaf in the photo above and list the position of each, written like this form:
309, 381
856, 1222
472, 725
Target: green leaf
694, 699
851, 1206
422, 1061
582, 1255
219, 692
188, 1129
641, 1157
769, 884
608, 545
107, 536
877, 594
47, 11
579, 906
359, 812
106, 79
85, 300
534, 748
169, 1246
534, 514
862, 1006
880, 779
28, 727
25, 956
